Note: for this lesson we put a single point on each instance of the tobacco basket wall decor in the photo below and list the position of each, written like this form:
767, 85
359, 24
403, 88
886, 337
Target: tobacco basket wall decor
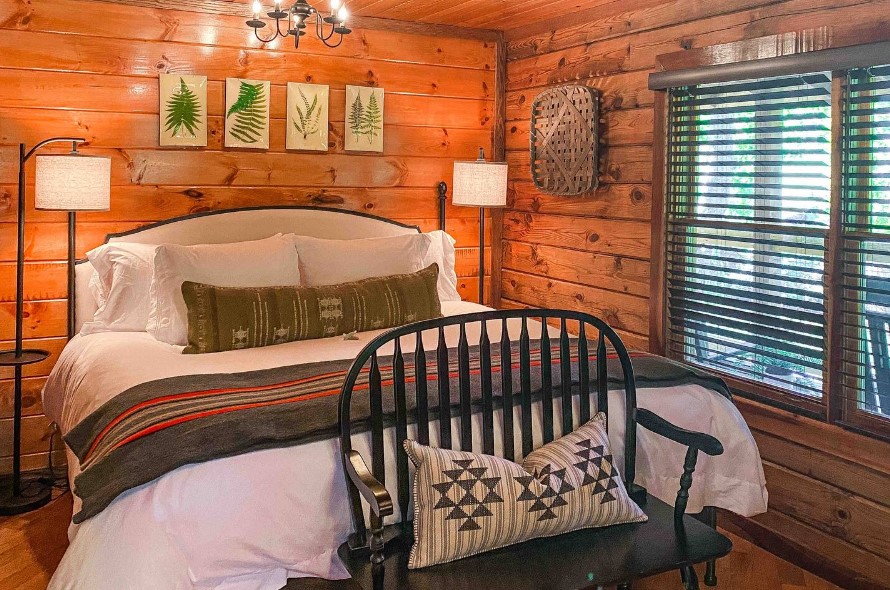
564, 140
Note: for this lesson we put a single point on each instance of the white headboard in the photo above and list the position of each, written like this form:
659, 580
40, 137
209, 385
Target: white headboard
240, 225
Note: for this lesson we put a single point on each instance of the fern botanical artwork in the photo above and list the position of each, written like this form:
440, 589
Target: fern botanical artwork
247, 113
364, 119
183, 110
307, 116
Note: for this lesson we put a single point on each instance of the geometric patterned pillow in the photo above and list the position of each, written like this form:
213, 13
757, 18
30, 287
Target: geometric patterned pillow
468, 503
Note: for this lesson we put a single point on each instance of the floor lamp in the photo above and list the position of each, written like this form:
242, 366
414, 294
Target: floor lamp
63, 182
480, 184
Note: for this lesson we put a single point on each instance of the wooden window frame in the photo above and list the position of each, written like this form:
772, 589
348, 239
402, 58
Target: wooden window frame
832, 407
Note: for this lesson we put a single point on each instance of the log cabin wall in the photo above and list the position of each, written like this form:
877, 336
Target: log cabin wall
829, 488
73, 67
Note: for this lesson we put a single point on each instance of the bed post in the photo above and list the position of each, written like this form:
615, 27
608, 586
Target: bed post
443, 194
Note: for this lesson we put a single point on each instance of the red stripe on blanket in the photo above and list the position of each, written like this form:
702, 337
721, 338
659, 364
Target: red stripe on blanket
240, 407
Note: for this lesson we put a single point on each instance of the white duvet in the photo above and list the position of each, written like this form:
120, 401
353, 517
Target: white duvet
251, 521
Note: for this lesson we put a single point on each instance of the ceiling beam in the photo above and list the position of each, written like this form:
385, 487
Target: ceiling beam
227, 7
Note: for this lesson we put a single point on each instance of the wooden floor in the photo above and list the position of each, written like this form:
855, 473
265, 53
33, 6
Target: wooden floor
32, 545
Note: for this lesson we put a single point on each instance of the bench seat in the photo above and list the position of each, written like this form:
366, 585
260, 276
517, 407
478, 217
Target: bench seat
618, 553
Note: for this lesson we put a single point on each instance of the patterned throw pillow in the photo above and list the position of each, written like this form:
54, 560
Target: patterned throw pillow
467, 503
232, 318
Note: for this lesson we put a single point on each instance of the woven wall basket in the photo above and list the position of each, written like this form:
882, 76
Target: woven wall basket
564, 141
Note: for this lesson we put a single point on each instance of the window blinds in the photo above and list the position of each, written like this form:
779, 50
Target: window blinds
865, 383
747, 213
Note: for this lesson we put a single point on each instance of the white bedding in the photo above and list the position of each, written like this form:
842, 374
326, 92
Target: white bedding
249, 522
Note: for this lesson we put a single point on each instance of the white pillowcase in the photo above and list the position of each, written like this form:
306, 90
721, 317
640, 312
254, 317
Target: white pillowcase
441, 251
120, 285
272, 262
331, 262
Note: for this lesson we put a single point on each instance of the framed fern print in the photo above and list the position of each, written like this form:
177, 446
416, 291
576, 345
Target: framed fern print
247, 113
364, 119
307, 117
183, 110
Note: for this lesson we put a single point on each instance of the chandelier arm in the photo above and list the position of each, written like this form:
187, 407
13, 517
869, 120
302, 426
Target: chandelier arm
274, 36
337, 44
278, 28
319, 30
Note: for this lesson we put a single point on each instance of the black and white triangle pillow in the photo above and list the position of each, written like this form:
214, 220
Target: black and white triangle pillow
467, 503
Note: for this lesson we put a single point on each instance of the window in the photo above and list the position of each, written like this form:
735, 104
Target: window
865, 382
748, 203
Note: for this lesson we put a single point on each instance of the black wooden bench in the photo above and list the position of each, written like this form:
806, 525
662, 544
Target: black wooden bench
377, 558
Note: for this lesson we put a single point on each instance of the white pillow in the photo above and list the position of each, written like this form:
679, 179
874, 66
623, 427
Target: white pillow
271, 262
331, 262
120, 284
441, 251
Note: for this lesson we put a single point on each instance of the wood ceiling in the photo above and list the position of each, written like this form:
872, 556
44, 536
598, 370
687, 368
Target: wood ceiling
485, 14
481, 14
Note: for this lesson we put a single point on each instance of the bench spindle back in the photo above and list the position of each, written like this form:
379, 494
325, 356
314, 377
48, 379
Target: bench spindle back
573, 346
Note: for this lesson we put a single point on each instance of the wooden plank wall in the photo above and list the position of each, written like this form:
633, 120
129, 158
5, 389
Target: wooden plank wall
90, 68
829, 489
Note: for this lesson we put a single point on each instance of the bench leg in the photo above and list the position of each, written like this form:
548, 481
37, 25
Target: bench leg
711, 573
708, 516
689, 577
377, 557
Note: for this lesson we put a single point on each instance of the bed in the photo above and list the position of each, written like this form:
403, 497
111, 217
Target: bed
253, 520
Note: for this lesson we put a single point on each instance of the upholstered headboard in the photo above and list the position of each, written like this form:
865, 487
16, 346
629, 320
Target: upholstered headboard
238, 225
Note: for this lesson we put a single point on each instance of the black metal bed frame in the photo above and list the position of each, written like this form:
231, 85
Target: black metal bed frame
441, 191
592, 385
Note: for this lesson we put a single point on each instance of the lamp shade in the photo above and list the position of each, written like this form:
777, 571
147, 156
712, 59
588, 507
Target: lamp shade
73, 183
480, 184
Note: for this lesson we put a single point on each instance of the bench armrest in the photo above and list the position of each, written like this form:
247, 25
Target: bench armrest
697, 440
371, 490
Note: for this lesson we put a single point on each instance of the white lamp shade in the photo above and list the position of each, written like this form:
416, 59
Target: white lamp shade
73, 183
480, 184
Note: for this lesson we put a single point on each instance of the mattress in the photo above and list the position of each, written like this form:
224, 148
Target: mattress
251, 521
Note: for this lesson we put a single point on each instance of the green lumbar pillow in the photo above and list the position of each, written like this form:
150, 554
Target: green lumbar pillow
232, 318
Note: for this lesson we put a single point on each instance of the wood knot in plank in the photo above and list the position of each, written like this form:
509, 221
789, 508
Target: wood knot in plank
327, 199
171, 25
5, 201
163, 66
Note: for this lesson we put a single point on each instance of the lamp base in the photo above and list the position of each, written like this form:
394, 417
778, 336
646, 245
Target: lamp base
35, 494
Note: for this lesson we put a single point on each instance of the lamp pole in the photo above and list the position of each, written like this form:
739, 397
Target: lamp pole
14, 498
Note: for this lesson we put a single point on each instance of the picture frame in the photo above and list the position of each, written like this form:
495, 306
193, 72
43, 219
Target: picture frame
307, 116
182, 110
247, 113
364, 119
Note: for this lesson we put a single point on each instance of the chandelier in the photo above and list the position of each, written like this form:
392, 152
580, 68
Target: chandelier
296, 18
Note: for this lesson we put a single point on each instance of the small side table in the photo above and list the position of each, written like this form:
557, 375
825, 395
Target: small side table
17, 494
